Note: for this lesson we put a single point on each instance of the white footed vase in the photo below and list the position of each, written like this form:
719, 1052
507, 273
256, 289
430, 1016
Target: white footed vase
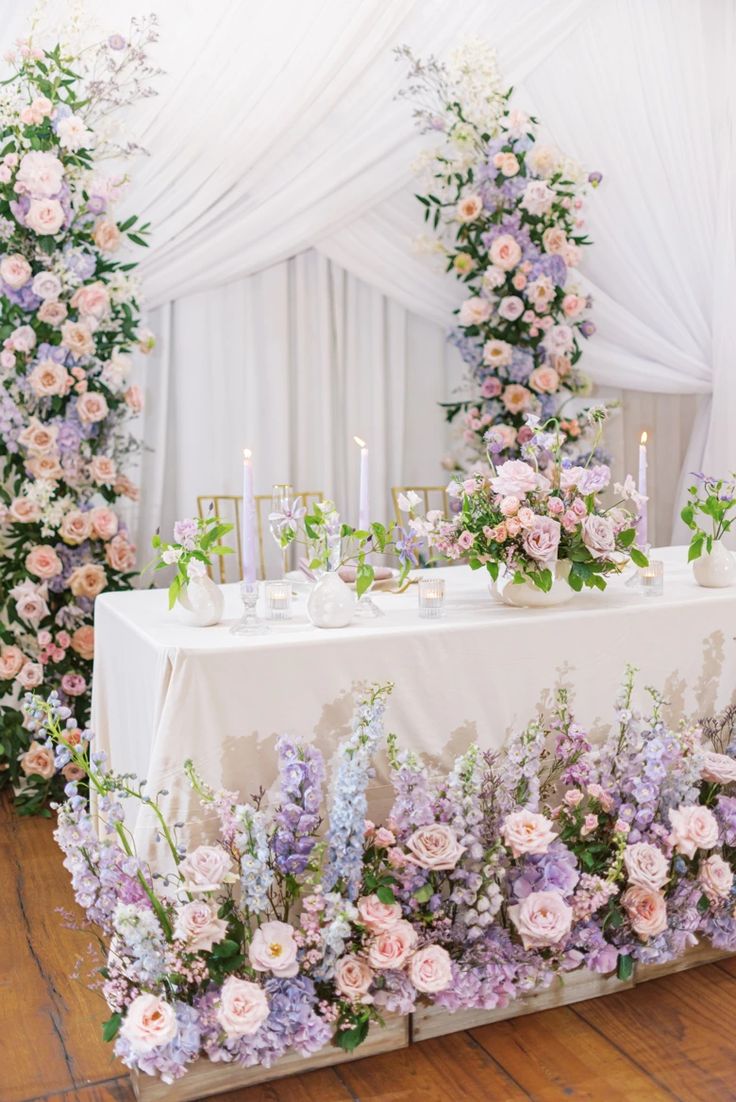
331, 603
527, 595
201, 603
716, 568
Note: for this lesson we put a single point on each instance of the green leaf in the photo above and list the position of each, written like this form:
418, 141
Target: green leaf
224, 949
111, 1027
349, 1039
385, 894
696, 548
424, 894
625, 969
638, 557
627, 537
363, 578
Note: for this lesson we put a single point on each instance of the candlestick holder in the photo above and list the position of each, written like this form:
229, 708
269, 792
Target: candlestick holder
250, 623
366, 608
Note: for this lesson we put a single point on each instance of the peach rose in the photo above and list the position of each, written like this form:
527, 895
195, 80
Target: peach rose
38, 439
76, 527
573, 305
104, 522
554, 239
45, 216
646, 910
43, 561
30, 675
646, 866
716, 878
505, 252
353, 977
392, 948
542, 919
544, 380
45, 466
77, 338
87, 580
506, 163
435, 847
469, 208
52, 313
273, 949
516, 398
497, 353
92, 407
197, 924
92, 299
430, 969
48, 379
243, 1007
717, 768
15, 270
83, 642
125, 488
149, 1023
134, 398
377, 916
11, 662
103, 470
23, 510
38, 761
693, 828
107, 236
72, 772
474, 311
526, 832
205, 868
120, 554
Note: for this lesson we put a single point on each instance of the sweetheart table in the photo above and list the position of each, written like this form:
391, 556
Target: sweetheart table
165, 692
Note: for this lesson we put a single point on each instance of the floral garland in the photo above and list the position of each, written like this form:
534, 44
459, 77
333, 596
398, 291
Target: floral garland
516, 867
506, 211
69, 319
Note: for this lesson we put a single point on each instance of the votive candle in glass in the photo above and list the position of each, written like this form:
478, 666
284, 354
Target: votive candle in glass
278, 600
651, 578
431, 597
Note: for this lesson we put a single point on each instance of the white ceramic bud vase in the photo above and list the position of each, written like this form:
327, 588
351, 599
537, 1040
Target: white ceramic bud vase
716, 568
201, 603
528, 595
331, 603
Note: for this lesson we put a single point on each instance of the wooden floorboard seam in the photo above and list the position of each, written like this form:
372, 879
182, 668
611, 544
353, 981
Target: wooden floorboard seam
354, 1097
122, 1079
499, 1065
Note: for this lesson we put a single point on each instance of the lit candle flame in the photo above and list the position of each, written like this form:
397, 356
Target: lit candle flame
643, 438
359, 442
247, 453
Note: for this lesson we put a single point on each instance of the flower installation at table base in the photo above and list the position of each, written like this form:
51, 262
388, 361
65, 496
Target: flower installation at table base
303, 924
70, 320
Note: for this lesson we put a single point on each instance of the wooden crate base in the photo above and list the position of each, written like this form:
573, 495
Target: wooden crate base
205, 1078
433, 1021
699, 954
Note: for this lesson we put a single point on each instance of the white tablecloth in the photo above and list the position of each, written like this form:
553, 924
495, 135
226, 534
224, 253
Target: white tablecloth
164, 692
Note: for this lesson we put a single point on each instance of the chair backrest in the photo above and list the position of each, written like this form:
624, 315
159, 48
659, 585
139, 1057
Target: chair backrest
433, 497
229, 508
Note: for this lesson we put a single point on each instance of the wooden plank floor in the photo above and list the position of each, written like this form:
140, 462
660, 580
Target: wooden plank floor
673, 1038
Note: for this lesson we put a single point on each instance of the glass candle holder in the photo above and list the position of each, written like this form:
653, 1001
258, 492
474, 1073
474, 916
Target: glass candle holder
250, 623
651, 578
431, 597
278, 600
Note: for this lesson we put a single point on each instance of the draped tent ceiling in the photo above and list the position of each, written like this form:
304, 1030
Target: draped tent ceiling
277, 131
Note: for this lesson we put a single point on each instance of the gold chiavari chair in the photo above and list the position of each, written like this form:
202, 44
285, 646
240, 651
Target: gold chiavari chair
433, 497
229, 508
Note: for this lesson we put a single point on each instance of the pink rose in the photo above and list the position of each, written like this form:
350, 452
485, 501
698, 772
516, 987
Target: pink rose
435, 847
554, 239
538, 197
15, 270
45, 466
243, 1007
23, 339
91, 299
717, 768
43, 561
91, 407
104, 522
76, 527
273, 949
430, 969
63, 639
497, 353
646, 910
199, 927
45, 216
40, 175
511, 307
103, 470
120, 554
466, 540
353, 978
559, 340
646, 866
83, 642
599, 535
542, 919
384, 838
516, 398
11, 662
693, 828
38, 439
503, 435
30, 602
77, 338
526, 832
543, 541
510, 505
544, 380
716, 878
392, 948
468, 208
505, 252
474, 311
377, 916
73, 684
48, 379
149, 1023
53, 313
72, 772
134, 398
23, 510
46, 285
527, 517
30, 675
38, 761
573, 305
205, 868
490, 387
573, 797
87, 580
107, 236
515, 478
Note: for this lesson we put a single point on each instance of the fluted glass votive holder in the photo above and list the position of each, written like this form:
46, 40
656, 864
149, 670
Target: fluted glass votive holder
651, 578
431, 597
278, 600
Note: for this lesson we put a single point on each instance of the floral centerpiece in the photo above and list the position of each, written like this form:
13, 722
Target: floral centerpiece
540, 517
195, 543
506, 211
70, 320
302, 922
